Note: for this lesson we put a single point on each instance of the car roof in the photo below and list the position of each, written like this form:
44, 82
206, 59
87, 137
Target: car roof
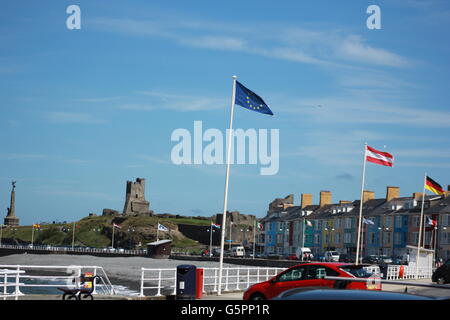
323, 293
326, 264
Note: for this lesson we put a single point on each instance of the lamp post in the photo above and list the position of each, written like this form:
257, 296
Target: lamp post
210, 230
129, 230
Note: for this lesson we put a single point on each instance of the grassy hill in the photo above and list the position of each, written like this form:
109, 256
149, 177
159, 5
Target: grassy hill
96, 231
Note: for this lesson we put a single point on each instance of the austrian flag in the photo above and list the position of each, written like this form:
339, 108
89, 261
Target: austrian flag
379, 157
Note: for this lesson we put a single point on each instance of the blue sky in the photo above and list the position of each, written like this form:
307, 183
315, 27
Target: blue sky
83, 111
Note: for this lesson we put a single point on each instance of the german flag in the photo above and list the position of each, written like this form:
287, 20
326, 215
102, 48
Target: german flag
433, 186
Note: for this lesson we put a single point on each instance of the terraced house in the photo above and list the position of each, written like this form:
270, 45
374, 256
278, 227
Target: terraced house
390, 224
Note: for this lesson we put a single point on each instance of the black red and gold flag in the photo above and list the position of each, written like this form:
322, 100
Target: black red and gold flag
433, 186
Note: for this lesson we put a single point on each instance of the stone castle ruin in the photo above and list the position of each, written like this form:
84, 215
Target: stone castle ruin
135, 203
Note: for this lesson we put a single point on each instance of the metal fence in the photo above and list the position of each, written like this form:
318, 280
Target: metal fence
397, 272
158, 282
54, 277
74, 249
5, 274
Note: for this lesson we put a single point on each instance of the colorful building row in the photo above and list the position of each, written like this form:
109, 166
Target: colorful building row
391, 224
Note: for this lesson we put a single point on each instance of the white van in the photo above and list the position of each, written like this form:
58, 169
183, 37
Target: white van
237, 251
305, 252
331, 256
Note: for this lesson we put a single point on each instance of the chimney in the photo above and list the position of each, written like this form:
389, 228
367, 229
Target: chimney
325, 198
368, 195
306, 200
392, 193
344, 202
417, 195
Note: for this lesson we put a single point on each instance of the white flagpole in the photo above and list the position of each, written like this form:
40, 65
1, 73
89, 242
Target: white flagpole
32, 235
420, 229
303, 237
157, 233
254, 239
210, 238
225, 198
361, 205
112, 241
73, 234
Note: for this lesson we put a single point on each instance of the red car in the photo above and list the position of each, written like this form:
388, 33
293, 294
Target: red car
310, 275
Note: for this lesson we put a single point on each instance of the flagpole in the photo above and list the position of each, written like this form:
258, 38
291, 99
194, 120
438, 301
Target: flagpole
210, 238
421, 225
225, 198
32, 235
361, 205
73, 234
254, 238
303, 237
157, 232
112, 241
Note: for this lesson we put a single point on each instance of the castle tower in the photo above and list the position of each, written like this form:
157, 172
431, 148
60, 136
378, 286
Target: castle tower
135, 202
11, 219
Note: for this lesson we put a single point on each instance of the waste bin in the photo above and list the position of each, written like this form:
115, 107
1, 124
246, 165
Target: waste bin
186, 282
199, 284
383, 271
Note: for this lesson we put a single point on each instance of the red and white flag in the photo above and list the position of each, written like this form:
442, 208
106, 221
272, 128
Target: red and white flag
116, 226
379, 157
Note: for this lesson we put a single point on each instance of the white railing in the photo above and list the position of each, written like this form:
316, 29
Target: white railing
44, 279
233, 279
74, 249
5, 274
396, 272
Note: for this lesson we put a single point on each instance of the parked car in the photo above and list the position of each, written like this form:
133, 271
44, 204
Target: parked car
305, 253
372, 259
309, 275
238, 251
344, 257
331, 256
442, 274
384, 260
321, 293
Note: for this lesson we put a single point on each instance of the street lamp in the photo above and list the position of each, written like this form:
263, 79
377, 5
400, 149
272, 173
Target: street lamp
210, 239
129, 230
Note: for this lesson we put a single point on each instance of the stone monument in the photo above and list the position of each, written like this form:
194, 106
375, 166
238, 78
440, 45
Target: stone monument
11, 219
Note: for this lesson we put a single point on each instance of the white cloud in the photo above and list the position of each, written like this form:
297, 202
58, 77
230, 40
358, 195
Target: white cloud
353, 47
293, 44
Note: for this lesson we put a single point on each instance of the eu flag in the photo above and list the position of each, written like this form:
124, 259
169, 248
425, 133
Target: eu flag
250, 100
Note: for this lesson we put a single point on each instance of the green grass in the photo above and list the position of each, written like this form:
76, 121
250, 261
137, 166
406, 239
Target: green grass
96, 231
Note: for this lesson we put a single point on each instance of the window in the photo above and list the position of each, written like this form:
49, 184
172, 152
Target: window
294, 274
397, 238
337, 223
317, 238
348, 223
372, 237
387, 221
347, 237
415, 221
279, 238
318, 272
386, 237
398, 221
414, 238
